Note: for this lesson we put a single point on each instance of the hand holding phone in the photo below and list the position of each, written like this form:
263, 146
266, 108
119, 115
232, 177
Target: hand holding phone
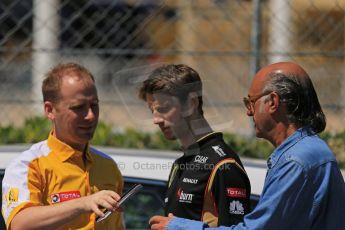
128, 194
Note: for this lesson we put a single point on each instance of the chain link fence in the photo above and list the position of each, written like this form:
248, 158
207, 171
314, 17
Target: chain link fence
226, 41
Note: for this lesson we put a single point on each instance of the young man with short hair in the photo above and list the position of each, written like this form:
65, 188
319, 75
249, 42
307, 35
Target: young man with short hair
208, 182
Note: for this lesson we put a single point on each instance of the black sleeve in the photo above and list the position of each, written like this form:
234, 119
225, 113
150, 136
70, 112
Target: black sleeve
231, 191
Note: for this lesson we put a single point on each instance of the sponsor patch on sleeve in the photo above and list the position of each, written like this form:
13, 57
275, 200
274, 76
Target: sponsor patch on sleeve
64, 196
184, 197
11, 196
236, 192
236, 208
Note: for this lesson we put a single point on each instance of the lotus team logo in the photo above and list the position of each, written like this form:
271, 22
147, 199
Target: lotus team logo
219, 150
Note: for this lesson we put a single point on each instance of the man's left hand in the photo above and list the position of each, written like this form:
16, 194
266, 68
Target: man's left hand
160, 222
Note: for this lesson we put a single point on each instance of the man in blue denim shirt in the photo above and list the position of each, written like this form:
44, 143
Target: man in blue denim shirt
304, 188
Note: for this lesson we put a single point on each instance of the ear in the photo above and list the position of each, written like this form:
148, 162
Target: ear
49, 110
273, 102
191, 106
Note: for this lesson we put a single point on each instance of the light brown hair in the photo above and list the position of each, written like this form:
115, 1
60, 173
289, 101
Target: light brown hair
52, 83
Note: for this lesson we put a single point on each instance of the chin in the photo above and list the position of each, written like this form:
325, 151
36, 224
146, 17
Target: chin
258, 134
86, 132
170, 137
85, 137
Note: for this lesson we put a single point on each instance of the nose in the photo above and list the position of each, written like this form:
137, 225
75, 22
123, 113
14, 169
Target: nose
157, 118
91, 114
250, 113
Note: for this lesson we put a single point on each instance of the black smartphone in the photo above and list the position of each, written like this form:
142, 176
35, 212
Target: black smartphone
133, 190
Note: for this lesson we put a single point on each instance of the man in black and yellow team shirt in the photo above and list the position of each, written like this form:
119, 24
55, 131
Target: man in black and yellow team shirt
208, 182
62, 182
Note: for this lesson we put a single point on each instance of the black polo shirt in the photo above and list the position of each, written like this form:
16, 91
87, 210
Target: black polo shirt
208, 183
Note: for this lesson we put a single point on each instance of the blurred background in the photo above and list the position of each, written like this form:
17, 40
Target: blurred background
226, 41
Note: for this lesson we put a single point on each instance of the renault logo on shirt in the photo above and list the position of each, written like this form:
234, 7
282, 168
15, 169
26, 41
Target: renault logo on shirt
184, 197
200, 159
190, 181
11, 196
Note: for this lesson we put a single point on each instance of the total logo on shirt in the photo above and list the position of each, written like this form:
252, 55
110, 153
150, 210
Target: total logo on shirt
200, 159
236, 192
184, 197
236, 207
64, 196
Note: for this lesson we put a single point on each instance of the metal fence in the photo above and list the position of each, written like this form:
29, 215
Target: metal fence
226, 41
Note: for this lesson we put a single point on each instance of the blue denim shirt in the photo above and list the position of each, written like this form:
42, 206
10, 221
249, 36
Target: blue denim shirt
303, 189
